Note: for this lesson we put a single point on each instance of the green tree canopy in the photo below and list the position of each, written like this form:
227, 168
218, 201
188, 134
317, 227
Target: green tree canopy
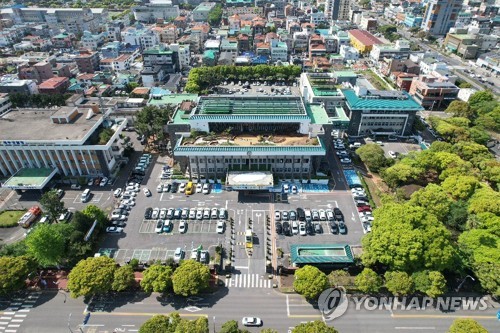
398, 283
460, 109
368, 281
14, 272
460, 187
95, 213
151, 120
47, 244
373, 156
190, 278
310, 282
485, 200
157, 278
160, 324
51, 204
432, 283
199, 325
230, 326
465, 325
316, 326
123, 279
91, 276
434, 199
215, 15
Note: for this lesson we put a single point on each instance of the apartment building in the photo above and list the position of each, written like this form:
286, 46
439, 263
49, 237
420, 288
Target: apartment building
337, 9
54, 86
433, 94
156, 9
200, 13
87, 61
398, 50
440, 16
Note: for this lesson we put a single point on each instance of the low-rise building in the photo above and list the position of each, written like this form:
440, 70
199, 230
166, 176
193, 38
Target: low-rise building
490, 60
279, 51
463, 45
433, 94
161, 56
349, 53
28, 87
200, 13
363, 41
54, 86
154, 10
87, 61
398, 50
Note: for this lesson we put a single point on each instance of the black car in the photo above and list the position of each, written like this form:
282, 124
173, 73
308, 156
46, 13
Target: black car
167, 187
120, 224
301, 214
360, 197
317, 228
174, 188
309, 228
342, 228
338, 214
279, 228
287, 231
148, 212
334, 228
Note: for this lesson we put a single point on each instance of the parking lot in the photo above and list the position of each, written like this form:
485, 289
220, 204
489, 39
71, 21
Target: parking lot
399, 147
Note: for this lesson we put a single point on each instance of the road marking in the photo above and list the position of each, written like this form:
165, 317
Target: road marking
5, 318
414, 328
442, 316
17, 320
13, 326
9, 313
24, 310
287, 306
20, 315
144, 314
4, 322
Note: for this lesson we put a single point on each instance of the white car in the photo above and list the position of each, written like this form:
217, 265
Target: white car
214, 213
222, 214
251, 321
367, 219
104, 182
182, 226
129, 202
206, 188
365, 214
322, 215
302, 229
156, 213
185, 213
132, 188
221, 225
199, 214
294, 189
199, 188
367, 226
178, 254
159, 226
114, 230
277, 216
391, 154
170, 213
117, 193
182, 187
345, 160
159, 188
341, 152
163, 213
118, 217
146, 191
192, 213
286, 188
130, 193
329, 215
206, 213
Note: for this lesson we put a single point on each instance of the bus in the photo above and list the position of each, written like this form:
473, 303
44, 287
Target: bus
85, 195
189, 188
249, 239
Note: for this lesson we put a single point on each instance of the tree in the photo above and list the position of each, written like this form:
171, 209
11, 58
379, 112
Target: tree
215, 15
151, 120
47, 244
190, 278
339, 277
268, 330
95, 213
310, 282
373, 156
464, 85
398, 283
157, 278
457, 216
479, 98
460, 109
432, 283
123, 279
91, 276
368, 281
156, 324
14, 272
316, 326
460, 187
230, 326
434, 199
465, 325
199, 325
485, 200
52, 204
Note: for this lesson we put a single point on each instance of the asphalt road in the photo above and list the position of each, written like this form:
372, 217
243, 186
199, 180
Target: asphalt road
53, 312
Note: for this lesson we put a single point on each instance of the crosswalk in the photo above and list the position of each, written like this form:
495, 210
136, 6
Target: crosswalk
17, 311
248, 281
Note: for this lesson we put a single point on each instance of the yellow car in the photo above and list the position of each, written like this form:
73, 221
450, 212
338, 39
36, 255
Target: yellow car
189, 188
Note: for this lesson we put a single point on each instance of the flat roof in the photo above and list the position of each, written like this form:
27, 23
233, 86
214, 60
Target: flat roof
13, 126
318, 114
30, 178
250, 105
172, 99
321, 254
249, 179
355, 102
251, 139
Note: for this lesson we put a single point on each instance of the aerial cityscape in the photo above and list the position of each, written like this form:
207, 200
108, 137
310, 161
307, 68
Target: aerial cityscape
235, 166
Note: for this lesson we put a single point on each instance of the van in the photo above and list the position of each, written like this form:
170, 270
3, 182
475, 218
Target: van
85, 195
189, 188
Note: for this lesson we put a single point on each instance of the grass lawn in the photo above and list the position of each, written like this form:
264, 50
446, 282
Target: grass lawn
9, 218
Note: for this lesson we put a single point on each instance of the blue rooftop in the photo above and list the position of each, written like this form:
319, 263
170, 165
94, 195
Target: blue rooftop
381, 100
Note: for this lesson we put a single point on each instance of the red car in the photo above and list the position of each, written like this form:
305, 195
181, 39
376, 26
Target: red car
364, 209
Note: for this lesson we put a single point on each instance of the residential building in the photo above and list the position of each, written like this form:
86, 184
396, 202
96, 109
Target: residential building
114, 30
154, 10
368, 23
161, 56
65, 140
87, 61
433, 94
403, 80
122, 63
398, 50
230, 45
362, 40
200, 13
349, 53
141, 36
253, 122
428, 65
389, 65
413, 21
5, 103
440, 16
27, 87
54, 86
490, 61
380, 112
153, 76
168, 33
462, 44
183, 53
91, 41
279, 51
63, 41
337, 9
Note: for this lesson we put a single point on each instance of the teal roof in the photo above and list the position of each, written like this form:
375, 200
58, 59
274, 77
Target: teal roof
268, 149
321, 254
317, 113
355, 102
181, 117
246, 117
214, 106
210, 54
344, 74
173, 99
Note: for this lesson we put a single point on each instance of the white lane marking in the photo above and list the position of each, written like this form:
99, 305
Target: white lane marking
414, 328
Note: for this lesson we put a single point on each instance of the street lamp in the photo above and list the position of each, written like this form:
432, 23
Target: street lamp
214, 324
463, 281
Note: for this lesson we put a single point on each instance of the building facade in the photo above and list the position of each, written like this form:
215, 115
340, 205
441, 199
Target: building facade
440, 16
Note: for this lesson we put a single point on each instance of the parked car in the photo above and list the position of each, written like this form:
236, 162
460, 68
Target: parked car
178, 254
199, 188
148, 213
214, 213
287, 231
339, 216
182, 226
103, 182
284, 215
251, 321
302, 229
279, 228
221, 226
117, 192
342, 228
206, 188
114, 230
334, 228
222, 214
192, 213
159, 188
146, 191
317, 228
163, 213
277, 216
168, 226
159, 226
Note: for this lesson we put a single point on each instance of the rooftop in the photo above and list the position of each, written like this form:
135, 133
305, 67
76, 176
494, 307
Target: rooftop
249, 139
321, 254
250, 105
381, 100
41, 126
364, 37
173, 99
26, 178
317, 113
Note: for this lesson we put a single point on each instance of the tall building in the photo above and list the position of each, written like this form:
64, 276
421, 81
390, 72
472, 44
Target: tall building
440, 16
337, 9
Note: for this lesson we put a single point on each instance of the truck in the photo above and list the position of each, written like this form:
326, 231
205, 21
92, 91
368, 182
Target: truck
29, 217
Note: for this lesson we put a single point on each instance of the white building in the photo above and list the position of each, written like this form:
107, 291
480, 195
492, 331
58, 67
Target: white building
5, 103
183, 53
349, 53
279, 51
91, 41
154, 10
141, 36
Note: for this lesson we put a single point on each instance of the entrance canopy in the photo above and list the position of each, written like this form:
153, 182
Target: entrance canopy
30, 179
250, 180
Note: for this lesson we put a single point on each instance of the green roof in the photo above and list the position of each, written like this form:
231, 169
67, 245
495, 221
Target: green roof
210, 54
173, 99
319, 150
30, 178
356, 102
181, 117
344, 74
317, 113
264, 106
157, 50
321, 254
